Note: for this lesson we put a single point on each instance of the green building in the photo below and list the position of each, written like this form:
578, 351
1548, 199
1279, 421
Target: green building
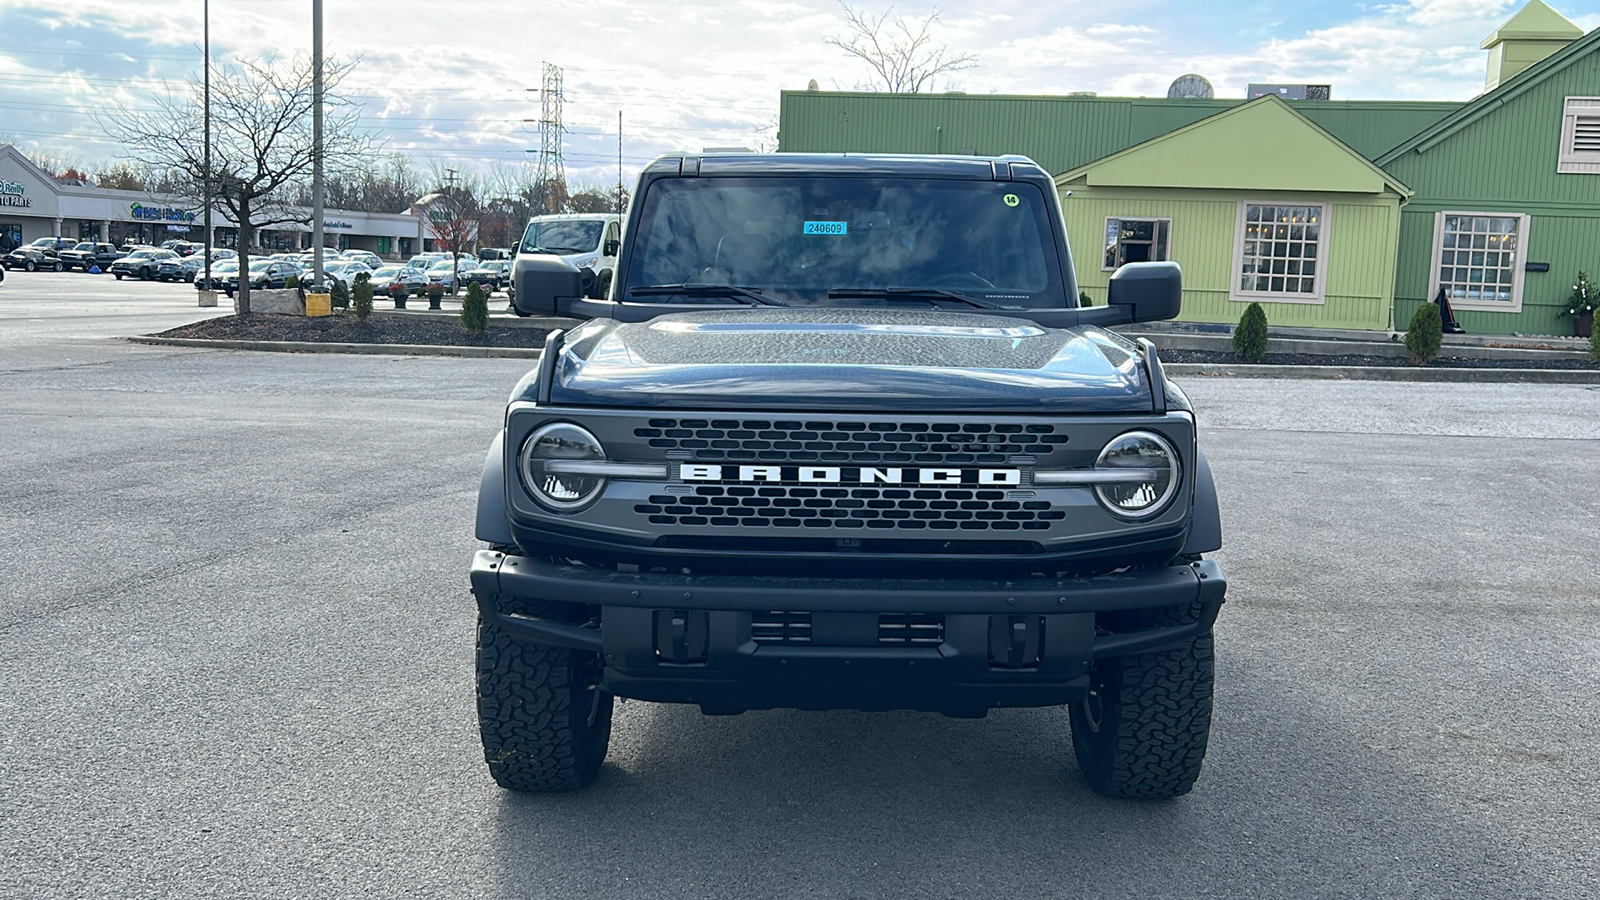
1340, 214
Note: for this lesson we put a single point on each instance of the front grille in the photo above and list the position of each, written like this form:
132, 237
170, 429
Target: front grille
905, 509
894, 629
922, 443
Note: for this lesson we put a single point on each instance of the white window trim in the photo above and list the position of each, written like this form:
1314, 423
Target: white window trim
1570, 161
1320, 280
1107, 227
1517, 275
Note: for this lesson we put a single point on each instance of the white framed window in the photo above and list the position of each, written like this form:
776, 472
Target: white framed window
1478, 259
1135, 240
1280, 252
1580, 137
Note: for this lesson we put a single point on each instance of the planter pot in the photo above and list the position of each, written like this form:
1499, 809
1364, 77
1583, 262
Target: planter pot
1583, 325
433, 302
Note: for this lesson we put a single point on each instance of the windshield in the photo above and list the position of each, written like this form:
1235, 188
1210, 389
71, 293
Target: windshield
562, 236
795, 239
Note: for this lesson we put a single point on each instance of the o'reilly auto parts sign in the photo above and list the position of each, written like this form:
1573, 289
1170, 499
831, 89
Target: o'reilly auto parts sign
741, 474
13, 194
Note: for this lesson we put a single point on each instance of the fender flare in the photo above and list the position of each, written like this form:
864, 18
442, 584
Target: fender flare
1205, 517
493, 525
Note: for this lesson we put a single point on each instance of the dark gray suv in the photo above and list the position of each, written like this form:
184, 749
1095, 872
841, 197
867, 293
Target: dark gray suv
841, 436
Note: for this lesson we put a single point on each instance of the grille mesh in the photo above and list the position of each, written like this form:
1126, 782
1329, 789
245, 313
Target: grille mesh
920, 443
909, 509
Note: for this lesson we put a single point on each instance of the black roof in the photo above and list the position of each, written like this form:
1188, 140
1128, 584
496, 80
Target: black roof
976, 168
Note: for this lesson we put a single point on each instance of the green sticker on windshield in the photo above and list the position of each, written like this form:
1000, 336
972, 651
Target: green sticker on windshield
1011, 199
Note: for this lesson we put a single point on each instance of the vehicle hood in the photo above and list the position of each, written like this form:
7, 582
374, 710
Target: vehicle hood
860, 359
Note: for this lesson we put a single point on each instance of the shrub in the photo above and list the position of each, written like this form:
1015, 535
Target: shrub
340, 295
292, 282
475, 310
1250, 338
363, 297
435, 291
1594, 346
1084, 299
1425, 334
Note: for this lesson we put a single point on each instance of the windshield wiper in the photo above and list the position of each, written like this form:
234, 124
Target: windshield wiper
914, 294
696, 289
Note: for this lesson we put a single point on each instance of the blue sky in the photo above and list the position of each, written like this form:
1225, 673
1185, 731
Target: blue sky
450, 81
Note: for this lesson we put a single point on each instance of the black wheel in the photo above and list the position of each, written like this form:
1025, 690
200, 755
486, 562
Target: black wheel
30, 266
605, 285
59, 266
544, 719
118, 275
145, 274
1143, 728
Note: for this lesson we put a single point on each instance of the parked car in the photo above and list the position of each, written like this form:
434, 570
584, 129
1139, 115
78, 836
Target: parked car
365, 257
346, 270
221, 271
264, 273
448, 273
424, 260
415, 280
492, 274
182, 247
30, 259
494, 254
50, 246
89, 254
186, 268
142, 264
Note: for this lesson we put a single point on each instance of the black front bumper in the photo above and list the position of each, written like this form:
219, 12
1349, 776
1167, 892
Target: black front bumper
689, 639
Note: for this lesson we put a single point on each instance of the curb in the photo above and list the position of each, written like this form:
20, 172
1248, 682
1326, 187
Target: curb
332, 347
1388, 373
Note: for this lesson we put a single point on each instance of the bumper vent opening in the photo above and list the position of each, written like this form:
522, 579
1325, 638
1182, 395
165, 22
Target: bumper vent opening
778, 627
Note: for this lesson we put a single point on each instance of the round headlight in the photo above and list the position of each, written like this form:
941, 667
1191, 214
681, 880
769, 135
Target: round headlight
561, 491
1142, 495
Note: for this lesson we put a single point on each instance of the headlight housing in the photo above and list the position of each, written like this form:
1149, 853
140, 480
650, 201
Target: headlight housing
561, 491
1143, 497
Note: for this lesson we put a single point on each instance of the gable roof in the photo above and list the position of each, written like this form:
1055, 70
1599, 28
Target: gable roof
1298, 155
1534, 22
1489, 101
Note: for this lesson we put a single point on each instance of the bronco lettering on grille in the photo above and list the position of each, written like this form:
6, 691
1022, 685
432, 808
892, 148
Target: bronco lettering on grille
847, 475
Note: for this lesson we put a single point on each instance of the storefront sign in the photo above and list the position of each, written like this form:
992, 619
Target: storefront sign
160, 214
11, 194
328, 224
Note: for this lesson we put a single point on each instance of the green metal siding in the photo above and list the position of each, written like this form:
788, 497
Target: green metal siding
1060, 133
1505, 161
1360, 265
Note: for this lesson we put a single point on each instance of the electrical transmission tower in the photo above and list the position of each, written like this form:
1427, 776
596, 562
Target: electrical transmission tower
550, 182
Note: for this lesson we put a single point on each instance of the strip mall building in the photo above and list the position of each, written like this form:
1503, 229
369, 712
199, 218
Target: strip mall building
34, 205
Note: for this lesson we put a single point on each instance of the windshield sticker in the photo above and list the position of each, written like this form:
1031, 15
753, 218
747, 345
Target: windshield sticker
827, 228
1011, 199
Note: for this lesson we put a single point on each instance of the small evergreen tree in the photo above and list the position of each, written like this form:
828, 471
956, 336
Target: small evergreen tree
1250, 338
1594, 346
1425, 334
291, 283
340, 295
1084, 299
475, 310
362, 302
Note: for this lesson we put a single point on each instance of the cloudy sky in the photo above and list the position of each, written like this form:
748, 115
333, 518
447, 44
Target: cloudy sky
451, 80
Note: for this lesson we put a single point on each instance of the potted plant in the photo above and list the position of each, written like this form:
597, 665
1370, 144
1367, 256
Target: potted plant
397, 293
1581, 305
435, 294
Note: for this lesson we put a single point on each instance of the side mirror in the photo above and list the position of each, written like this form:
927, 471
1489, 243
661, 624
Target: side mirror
1150, 292
610, 249
543, 281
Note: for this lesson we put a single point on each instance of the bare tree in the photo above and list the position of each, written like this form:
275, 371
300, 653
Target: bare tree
901, 53
597, 198
453, 212
261, 142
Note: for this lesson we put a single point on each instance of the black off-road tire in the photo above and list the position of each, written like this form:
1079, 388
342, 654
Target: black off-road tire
545, 724
1143, 729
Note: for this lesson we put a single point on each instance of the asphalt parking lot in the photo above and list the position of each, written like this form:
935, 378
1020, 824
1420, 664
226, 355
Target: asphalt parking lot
236, 651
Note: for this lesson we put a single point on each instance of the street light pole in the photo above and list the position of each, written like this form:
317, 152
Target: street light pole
316, 143
206, 14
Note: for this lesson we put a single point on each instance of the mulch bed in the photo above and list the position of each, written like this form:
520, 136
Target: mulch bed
343, 328
1221, 358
